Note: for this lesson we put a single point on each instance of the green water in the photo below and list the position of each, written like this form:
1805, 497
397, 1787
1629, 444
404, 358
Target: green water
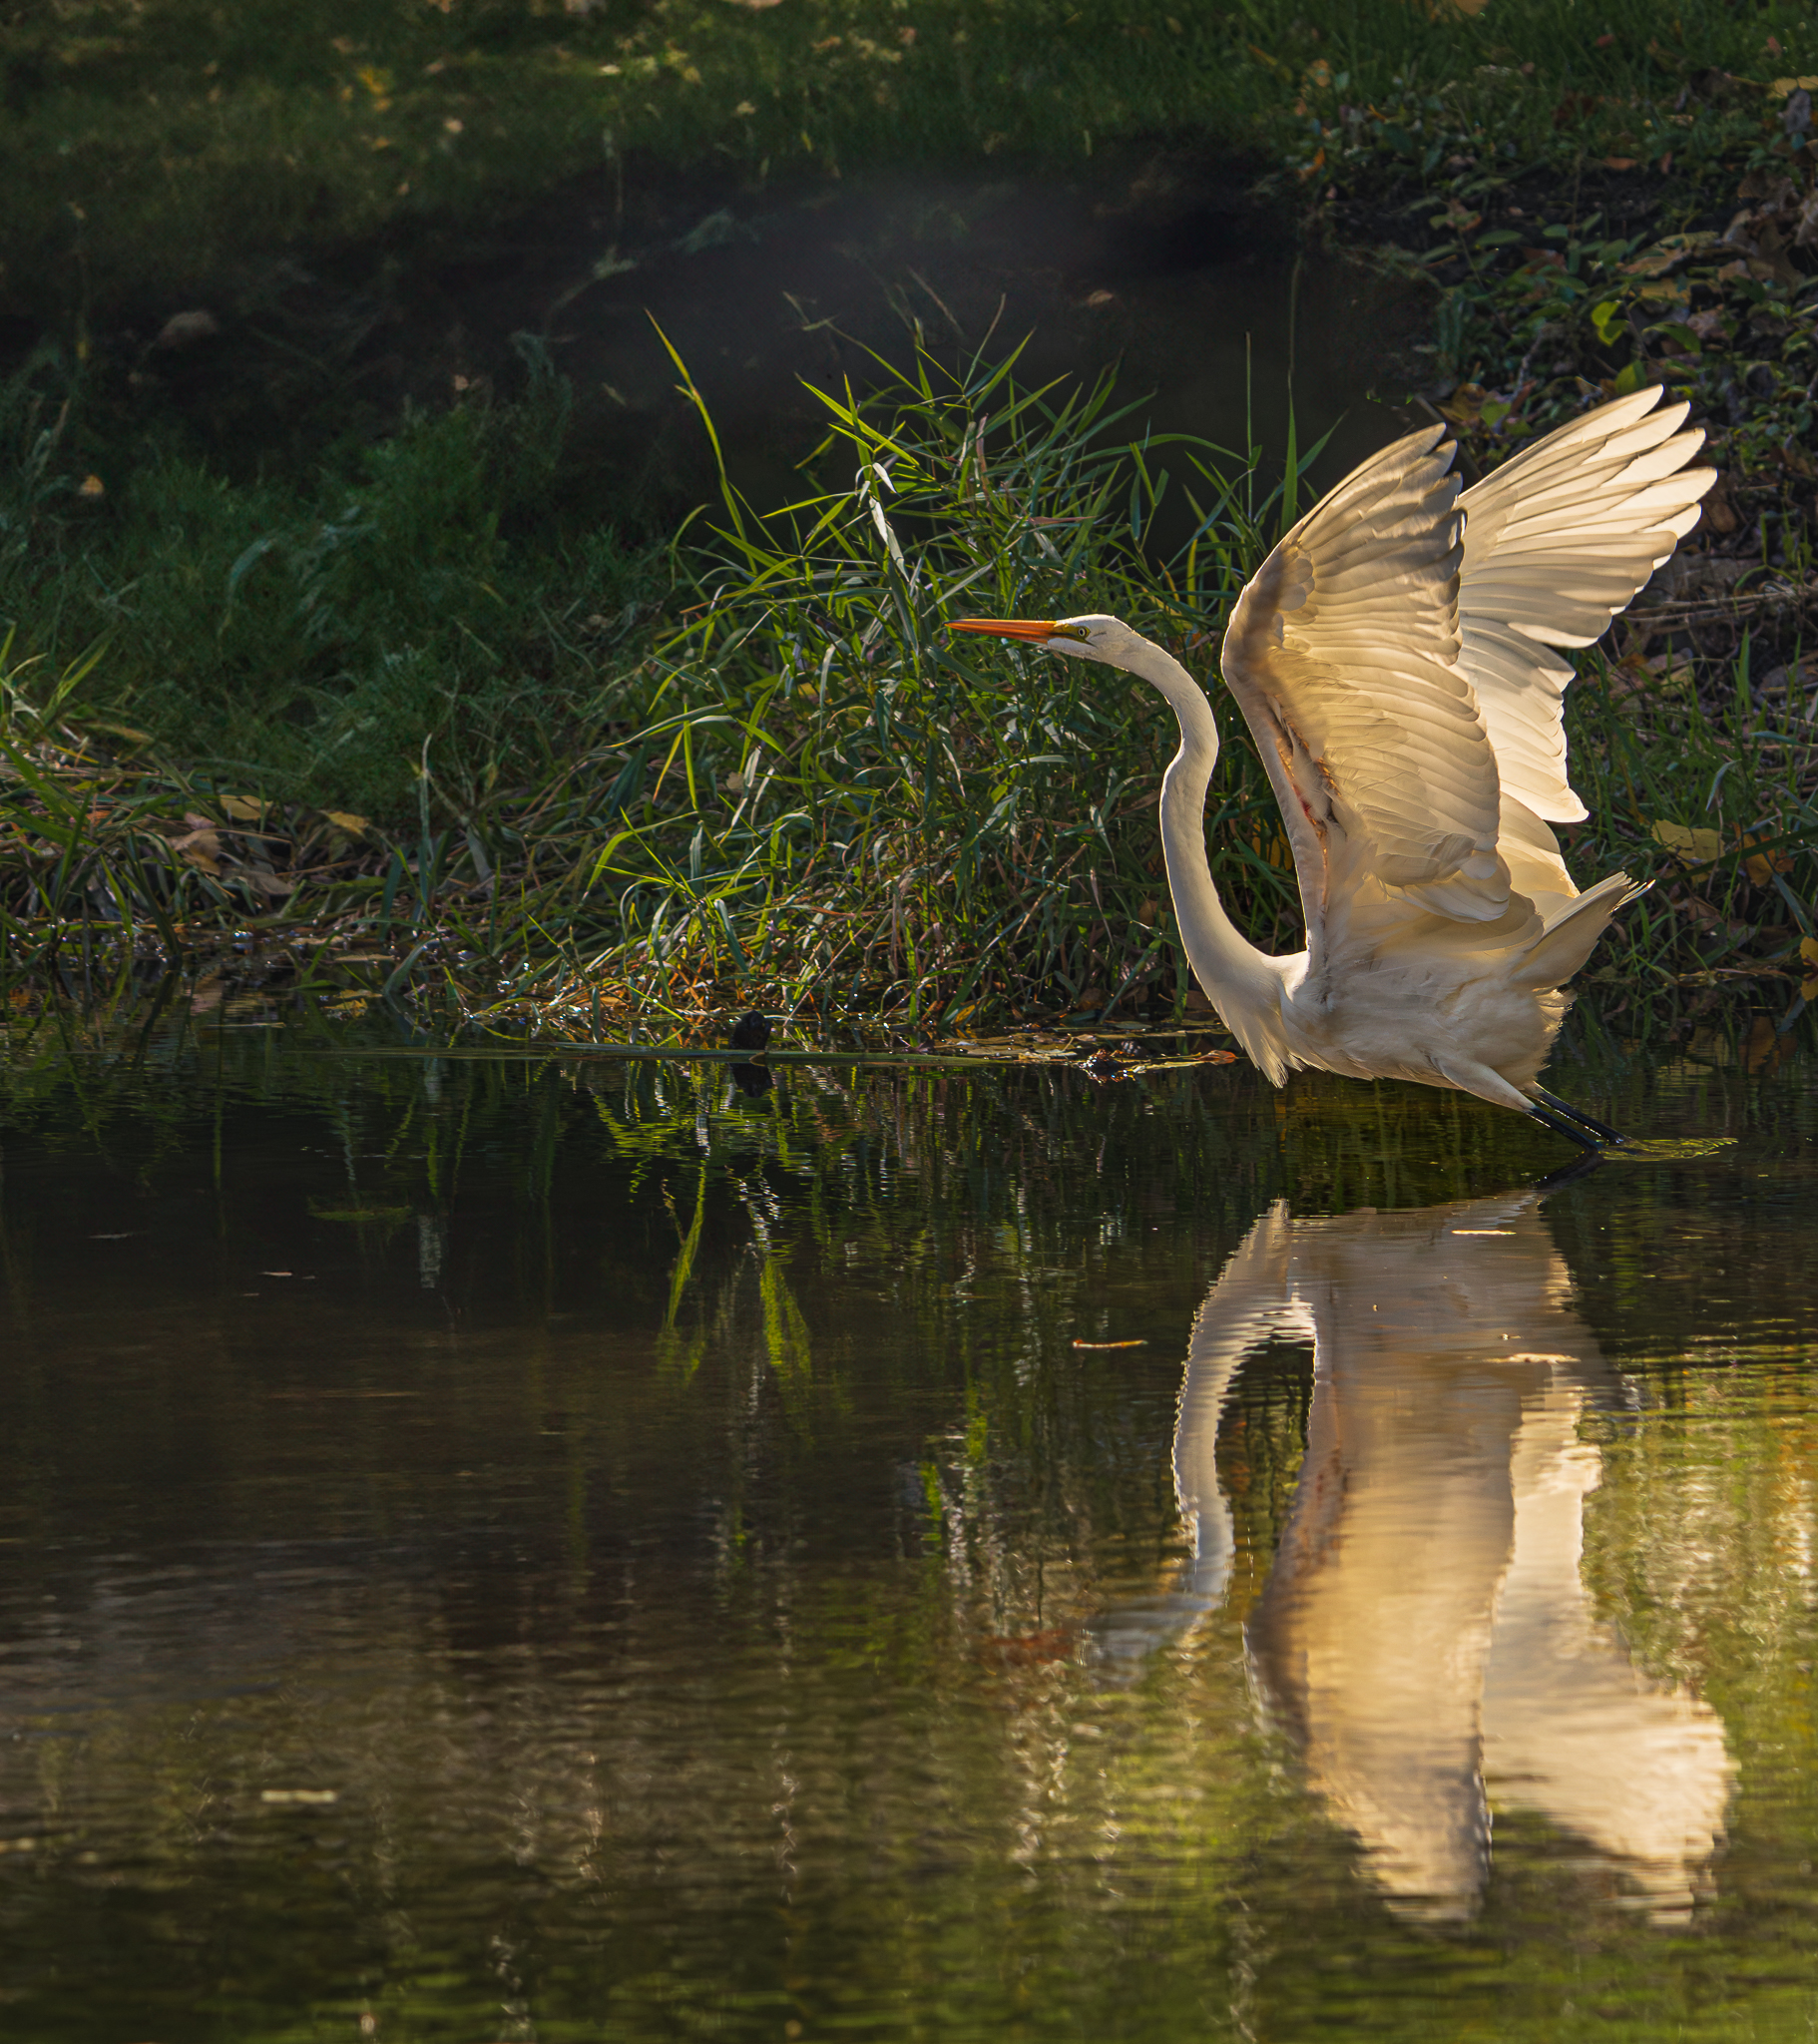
509, 1551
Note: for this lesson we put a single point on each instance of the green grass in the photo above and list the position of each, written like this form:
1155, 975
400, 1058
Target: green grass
309, 634
414, 697
1664, 238
801, 793
776, 783
157, 147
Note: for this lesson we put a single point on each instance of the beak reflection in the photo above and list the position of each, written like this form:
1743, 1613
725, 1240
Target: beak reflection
1424, 1636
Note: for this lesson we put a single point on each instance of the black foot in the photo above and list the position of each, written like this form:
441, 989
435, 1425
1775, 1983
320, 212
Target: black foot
1601, 1130
1561, 1125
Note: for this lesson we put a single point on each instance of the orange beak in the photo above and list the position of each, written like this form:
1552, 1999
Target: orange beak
1033, 630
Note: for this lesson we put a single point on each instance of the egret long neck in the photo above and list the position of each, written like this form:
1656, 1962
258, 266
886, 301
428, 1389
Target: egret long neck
1246, 984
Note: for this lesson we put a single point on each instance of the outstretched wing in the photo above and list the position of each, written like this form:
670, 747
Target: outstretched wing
1556, 542
1343, 653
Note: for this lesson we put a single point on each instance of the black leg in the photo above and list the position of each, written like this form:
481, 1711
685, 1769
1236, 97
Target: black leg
1561, 1125
1601, 1130
1581, 1167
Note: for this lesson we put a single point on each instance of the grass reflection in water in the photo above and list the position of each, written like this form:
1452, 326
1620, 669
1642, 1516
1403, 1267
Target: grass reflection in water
658, 1562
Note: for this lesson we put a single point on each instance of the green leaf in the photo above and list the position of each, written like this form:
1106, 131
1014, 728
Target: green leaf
1609, 321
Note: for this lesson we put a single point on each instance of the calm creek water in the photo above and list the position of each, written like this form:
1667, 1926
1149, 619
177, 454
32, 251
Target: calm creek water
497, 1550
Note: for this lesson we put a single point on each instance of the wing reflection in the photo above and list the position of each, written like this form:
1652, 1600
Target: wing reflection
1424, 1633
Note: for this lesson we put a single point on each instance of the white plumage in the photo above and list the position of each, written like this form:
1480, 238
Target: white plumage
1394, 658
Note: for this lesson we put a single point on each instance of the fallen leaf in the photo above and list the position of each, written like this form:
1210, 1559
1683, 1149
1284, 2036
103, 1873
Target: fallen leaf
1630, 675
201, 847
1703, 912
1670, 669
1737, 273
1808, 952
244, 809
343, 820
1763, 865
1690, 845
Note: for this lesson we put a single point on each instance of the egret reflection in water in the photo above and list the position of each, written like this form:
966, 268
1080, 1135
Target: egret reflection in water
1425, 1636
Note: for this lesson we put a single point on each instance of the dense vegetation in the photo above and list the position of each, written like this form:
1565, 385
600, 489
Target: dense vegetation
406, 709
153, 146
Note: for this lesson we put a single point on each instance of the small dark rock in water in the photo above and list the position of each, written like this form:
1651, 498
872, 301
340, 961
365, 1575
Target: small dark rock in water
751, 1032
1103, 1063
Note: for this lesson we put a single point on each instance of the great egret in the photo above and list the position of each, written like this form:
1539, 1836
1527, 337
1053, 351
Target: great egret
1425, 1635
1393, 658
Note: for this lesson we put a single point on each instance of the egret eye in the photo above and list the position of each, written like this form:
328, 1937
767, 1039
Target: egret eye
1071, 632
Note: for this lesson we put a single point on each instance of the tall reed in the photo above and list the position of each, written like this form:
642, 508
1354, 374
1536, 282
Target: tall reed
828, 799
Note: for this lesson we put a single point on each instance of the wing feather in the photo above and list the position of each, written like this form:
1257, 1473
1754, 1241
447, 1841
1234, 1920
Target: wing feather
1556, 542
1397, 665
1343, 654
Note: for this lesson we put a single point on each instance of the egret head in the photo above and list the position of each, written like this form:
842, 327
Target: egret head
1091, 638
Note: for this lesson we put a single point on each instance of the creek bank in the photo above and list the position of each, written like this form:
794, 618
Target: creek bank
1543, 293
1157, 258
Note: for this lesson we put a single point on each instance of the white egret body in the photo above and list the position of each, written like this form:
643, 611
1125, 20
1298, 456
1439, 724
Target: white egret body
1425, 1635
1393, 659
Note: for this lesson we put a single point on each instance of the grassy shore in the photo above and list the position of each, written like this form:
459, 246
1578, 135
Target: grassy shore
408, 715
153, 146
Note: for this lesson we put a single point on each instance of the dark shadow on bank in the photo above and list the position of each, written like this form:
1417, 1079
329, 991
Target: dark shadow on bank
1157, 260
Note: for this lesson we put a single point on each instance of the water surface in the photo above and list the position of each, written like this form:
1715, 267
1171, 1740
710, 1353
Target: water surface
494, 1550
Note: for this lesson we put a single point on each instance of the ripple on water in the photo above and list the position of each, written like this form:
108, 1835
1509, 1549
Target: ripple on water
953, 1556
